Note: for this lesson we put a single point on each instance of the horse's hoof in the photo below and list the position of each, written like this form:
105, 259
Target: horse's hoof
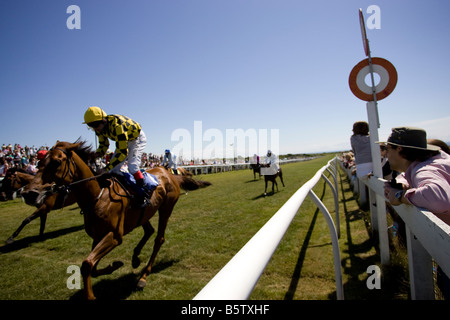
141, 284
10, 240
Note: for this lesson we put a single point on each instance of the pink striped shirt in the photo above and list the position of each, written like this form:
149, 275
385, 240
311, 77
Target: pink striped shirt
429, 183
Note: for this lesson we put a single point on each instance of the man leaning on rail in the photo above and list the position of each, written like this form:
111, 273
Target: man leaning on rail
426, 172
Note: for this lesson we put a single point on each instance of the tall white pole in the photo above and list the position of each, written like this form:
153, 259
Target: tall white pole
379, 203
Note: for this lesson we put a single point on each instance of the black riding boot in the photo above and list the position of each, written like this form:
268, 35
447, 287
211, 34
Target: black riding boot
144, 199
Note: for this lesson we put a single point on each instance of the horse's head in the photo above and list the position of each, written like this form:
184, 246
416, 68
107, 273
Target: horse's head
56, 169
13, 181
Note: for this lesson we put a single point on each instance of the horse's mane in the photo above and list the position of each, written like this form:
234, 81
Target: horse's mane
84, 151
88, 155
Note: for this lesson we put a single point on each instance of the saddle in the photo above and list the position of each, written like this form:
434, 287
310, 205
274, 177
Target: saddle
150, 183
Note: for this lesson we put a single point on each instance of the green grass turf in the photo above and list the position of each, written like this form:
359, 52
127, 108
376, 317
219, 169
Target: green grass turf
207, 228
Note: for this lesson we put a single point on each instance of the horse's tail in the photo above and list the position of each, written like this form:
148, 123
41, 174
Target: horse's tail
190, 184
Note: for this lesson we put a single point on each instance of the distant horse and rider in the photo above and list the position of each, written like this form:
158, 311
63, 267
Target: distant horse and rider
270, 170
110, 211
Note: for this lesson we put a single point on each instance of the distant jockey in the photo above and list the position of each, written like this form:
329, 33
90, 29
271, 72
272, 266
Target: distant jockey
255, 159
273, 164
171, 161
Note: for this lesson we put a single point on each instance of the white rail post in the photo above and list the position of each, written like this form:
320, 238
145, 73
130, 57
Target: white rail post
420, 269
380, 203
336, 198
334, 242
336, 204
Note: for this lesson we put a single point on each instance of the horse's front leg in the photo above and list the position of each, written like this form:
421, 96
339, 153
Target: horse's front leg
42, 227
40, 212
108, 243
164, 214
148, 231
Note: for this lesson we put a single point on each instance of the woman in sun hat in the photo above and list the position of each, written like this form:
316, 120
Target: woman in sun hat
425, 168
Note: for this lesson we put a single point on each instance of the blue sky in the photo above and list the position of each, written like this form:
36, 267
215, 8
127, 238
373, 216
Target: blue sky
231, 64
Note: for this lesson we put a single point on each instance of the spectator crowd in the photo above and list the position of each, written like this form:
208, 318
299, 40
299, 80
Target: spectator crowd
24, 158
27, 158
416, 171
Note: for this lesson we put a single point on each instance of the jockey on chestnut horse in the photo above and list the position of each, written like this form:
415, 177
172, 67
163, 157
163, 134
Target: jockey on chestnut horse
108, 210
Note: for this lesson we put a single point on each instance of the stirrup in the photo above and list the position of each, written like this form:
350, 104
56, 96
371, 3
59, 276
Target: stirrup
145, 202
145, 198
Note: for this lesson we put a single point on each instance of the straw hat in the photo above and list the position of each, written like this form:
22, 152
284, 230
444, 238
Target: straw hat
410, 137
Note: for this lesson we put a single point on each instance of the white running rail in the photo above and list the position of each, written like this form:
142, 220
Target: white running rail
239, 276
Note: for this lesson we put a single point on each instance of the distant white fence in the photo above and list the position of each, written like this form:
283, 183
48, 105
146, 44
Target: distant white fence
428, 237
239, 276
215, 168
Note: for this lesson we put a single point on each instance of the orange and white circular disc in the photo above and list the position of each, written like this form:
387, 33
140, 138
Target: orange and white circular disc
388, 79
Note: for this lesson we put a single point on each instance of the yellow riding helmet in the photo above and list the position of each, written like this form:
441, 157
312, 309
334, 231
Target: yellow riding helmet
94, 114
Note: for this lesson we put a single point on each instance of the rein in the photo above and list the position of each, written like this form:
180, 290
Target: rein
66, 188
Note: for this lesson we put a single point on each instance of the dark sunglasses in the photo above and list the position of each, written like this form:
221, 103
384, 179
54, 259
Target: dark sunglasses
95, 124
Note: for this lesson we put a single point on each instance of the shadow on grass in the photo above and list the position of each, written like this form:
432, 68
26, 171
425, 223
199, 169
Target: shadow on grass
122, 287
25, 242
354, 266
251, 181
358, 259
263, 195
301, 258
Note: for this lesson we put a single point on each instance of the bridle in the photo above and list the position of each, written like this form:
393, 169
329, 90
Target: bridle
69, 160
65, 188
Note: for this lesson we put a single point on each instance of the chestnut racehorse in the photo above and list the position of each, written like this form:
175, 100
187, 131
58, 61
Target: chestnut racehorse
109, 212
12, 182
17, 180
